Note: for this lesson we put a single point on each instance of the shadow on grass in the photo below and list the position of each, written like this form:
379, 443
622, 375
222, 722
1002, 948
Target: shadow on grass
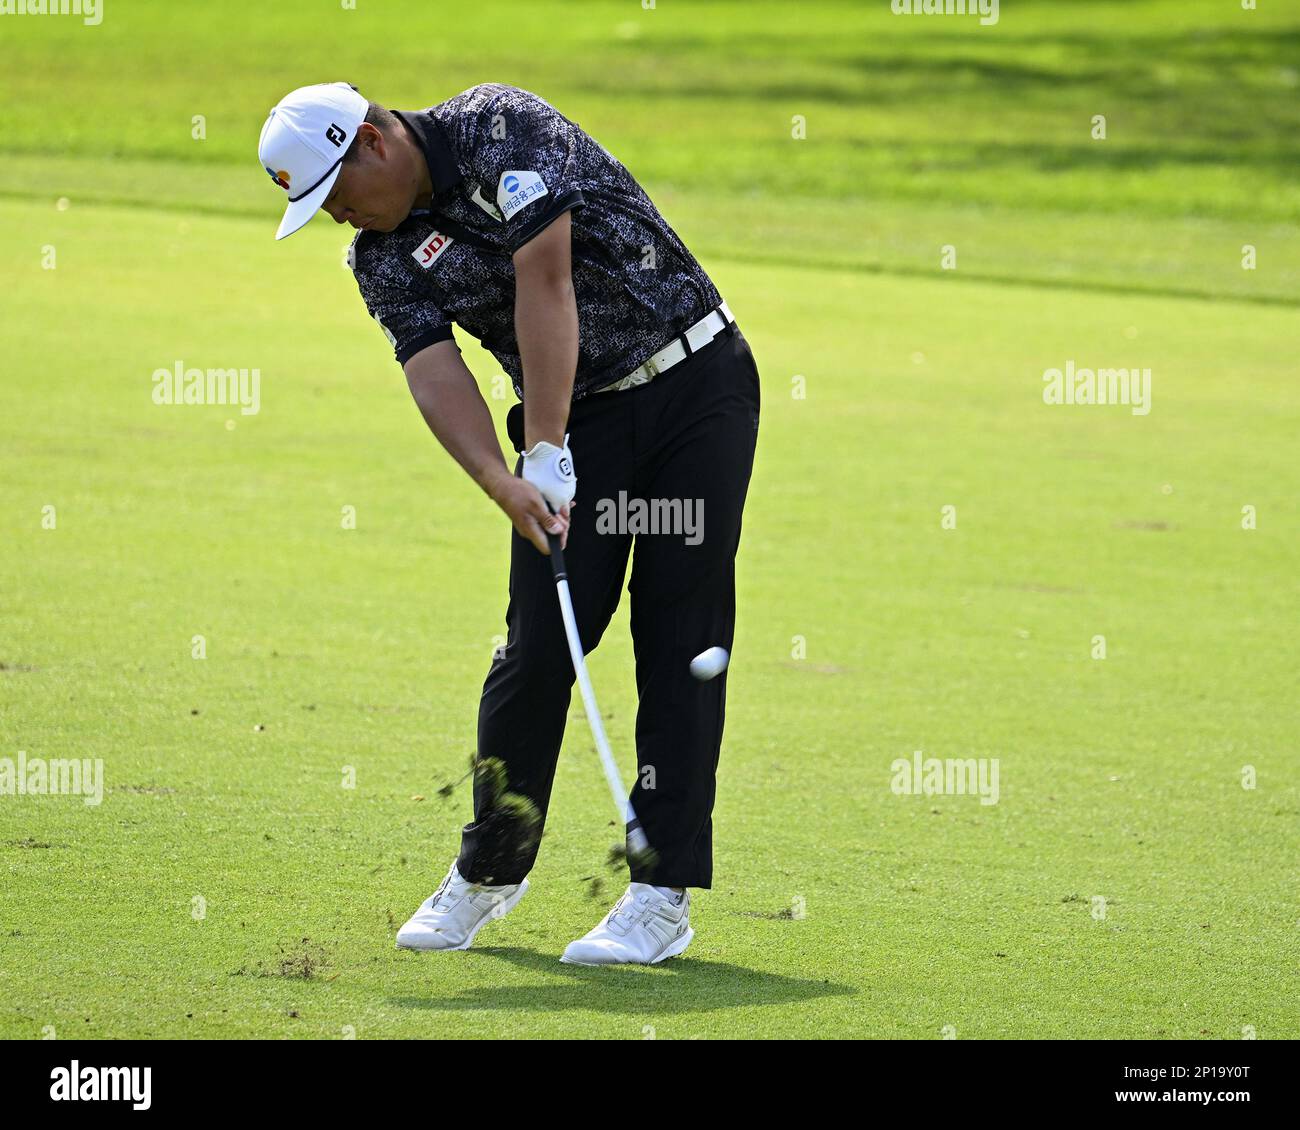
681, 985
1197, 75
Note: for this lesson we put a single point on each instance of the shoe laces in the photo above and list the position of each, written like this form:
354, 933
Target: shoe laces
446, 882
629, 916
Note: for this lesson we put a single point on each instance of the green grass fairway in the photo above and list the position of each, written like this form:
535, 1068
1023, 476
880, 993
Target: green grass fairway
229, 885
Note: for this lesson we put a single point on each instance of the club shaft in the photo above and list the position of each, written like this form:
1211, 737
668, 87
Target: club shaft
589, 702
635, 835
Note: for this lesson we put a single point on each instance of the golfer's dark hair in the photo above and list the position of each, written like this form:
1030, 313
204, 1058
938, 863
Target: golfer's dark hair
385, 121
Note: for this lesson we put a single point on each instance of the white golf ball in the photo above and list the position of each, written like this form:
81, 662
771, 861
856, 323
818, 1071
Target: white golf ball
710, 663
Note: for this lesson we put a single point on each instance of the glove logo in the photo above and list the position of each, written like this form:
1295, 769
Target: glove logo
550, 469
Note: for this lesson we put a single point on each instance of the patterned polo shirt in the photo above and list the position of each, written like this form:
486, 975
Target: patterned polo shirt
504, 164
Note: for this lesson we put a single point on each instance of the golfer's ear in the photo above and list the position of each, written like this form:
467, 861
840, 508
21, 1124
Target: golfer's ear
372, 138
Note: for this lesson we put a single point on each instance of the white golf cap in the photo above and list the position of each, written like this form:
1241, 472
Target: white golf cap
303, 143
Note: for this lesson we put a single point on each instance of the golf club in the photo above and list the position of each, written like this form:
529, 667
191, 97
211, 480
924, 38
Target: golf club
637, 845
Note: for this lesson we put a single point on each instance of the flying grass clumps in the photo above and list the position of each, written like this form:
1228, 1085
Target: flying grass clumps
519, 820
449, 789
618, 857
621, 854
524, 820
498, 802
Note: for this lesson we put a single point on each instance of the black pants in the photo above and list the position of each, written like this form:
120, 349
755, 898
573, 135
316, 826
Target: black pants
688, 435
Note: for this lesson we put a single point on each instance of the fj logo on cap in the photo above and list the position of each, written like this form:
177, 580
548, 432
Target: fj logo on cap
335, 134
427, 253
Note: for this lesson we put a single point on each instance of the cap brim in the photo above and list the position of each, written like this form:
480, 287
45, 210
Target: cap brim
302, 210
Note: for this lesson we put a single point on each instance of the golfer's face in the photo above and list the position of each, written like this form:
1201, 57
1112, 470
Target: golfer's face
364, 195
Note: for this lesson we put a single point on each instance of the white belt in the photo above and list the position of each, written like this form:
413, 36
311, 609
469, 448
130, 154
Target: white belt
692, 341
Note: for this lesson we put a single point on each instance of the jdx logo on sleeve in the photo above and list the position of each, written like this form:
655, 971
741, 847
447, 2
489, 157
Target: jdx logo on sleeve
518, 188
427, 253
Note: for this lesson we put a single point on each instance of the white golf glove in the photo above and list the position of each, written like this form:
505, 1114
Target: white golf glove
550, 470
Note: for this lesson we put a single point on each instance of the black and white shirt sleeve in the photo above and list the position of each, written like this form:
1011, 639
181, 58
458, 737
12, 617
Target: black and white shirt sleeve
409, 318
526, 155
504, 164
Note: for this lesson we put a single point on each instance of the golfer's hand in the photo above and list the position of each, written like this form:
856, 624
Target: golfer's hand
526, 508
550, 470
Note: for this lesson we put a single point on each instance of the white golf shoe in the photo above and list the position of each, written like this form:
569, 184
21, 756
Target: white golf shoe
450, 917
643, 928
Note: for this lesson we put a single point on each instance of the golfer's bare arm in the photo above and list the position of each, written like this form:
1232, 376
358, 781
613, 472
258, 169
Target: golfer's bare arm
450, 402
546, 326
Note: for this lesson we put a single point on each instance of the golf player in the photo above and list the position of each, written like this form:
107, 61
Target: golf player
494, 212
